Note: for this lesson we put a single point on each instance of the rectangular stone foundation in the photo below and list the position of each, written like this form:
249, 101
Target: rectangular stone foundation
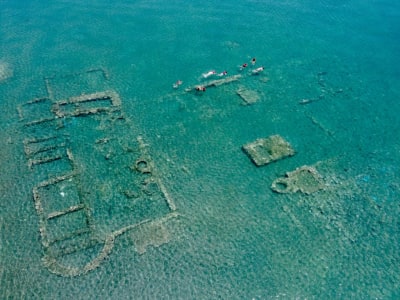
266, 150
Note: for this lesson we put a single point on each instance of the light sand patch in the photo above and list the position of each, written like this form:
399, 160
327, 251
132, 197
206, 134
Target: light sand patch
6, 70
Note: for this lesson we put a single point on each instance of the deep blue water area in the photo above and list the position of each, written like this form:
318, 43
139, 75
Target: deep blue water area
117, 185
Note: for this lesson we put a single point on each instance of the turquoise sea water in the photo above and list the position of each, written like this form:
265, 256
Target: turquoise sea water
159, 179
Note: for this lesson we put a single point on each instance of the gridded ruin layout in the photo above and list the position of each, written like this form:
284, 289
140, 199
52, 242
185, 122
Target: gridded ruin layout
93, 180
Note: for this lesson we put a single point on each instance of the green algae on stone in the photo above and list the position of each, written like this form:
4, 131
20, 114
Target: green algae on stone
305, 179
266, 150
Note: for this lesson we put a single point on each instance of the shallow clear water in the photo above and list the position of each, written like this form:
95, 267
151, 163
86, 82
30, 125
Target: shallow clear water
158, 183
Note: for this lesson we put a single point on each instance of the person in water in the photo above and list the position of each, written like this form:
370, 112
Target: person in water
258, 70
209, 73
200, 88
253, 61
177, 84
222, 73
243, 66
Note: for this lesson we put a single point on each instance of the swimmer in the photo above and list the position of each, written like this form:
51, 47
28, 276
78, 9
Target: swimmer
253, 61
242, 66
222, 73
177, 84
257, 71
208, 74
200, 88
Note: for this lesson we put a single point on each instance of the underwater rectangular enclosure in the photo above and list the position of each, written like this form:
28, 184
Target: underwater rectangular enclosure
213, 150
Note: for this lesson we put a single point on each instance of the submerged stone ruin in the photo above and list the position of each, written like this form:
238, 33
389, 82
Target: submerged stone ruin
266, 150
215, 82
248, 96
151, 234
94, 182
304, 179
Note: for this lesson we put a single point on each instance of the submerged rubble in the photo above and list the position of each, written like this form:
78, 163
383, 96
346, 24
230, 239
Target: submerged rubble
150, 234
248, 96
266, 150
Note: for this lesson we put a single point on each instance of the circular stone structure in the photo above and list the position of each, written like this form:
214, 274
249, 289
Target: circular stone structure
305, 179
